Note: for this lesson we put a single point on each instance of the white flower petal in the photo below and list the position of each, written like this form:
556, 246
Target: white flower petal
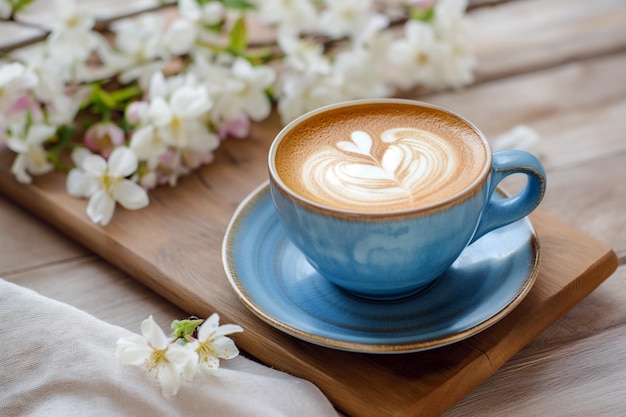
37, 161
154, 334
122, 162
190, 103
130, 195
159, 112
225, 348
207, 328
39, 133
184, 358
158, 86
189, 367
78, 155
17, 145
180, 37
169, 377
258, 105
189, 9
95, 165
74, 183
133, 350
101, 207
226, 329
209, 363
145, 144
81, 184
19, 169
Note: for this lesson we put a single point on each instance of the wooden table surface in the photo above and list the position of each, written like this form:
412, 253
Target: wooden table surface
558, 66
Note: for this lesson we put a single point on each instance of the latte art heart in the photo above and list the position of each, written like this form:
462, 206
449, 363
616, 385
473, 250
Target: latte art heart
405, 165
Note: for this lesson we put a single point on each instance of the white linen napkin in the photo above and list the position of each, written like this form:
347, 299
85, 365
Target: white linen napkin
56, 360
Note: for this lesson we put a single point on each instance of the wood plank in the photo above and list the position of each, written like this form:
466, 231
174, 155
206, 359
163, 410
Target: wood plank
123, 302
30, 247
560, 103
601, 311
184, 265
174, 248
516, 37
592, 197
582, 378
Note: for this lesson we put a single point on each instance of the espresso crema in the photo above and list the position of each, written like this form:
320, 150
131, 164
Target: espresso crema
380, 157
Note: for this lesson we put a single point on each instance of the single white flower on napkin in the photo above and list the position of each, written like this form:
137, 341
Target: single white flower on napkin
154, 350
213, 345
195, 345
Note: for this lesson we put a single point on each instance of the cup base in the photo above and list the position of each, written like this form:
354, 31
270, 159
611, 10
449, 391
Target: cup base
393, 297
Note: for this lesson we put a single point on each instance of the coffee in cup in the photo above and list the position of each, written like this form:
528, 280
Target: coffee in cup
383, 195
381, 157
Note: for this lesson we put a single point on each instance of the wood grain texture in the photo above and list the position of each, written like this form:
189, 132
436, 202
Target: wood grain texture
566, 103
521, 36
581, 378
174, 248
186, 268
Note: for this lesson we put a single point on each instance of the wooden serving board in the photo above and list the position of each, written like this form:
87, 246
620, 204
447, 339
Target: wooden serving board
174, 247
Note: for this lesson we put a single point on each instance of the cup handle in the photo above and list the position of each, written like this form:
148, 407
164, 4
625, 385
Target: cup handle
500, 211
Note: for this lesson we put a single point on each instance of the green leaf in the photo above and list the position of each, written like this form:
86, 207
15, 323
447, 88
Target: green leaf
18, 5
238, 4
64, 136
238, 37
423, 15
104, 98
125, 94
182, 328
259, 56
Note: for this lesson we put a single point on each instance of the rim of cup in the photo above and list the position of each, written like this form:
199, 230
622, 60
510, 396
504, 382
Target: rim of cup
457, 198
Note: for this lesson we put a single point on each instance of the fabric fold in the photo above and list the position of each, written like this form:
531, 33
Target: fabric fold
56, 360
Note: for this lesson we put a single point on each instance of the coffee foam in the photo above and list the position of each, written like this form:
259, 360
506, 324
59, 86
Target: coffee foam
380, 157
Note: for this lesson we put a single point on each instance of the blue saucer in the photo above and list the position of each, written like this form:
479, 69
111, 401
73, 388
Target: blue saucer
274, 280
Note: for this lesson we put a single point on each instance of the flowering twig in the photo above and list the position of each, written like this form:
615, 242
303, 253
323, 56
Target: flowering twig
169, 90
195, 346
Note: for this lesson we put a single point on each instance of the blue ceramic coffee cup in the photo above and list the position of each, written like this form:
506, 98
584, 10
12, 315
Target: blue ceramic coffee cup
390, 251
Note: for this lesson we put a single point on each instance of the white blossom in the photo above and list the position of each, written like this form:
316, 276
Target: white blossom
307, 80
213, 345
362, 73
351, 18
290, 16
105, 183
247, 90
177, 119
413, 57
167, 361
72, 41
15, 80
5, 9
454, 34
180, 119
182, 34
31, 156
139, 48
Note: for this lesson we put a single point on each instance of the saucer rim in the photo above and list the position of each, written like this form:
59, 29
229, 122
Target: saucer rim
406, 347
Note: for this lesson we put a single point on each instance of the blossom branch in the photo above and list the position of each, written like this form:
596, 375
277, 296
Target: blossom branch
151, 99
196, 346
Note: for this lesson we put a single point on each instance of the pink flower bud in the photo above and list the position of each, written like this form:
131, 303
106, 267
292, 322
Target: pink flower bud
135, 111
238, 128
103, 137
423, 4
25, 103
